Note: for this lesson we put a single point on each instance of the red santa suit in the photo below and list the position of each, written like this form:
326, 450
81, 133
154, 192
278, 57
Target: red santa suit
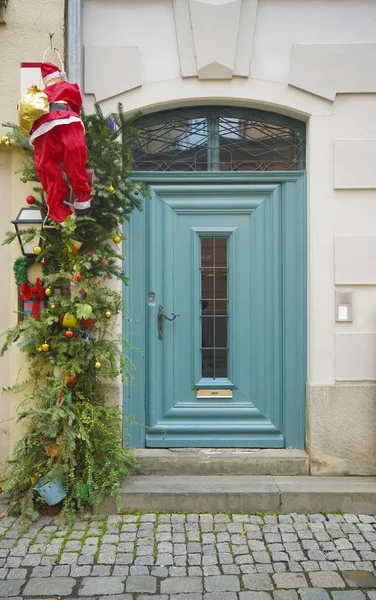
59, 143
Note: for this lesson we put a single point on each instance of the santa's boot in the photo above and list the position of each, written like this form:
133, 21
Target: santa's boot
85, 211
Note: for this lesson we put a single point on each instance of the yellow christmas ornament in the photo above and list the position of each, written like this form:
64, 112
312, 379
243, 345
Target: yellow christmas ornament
107, 314
5, 140
117, 239
45, 347
48, 292
53, 306
79, 436
40, 349
98, 365
69, 320
111, 189
37, 249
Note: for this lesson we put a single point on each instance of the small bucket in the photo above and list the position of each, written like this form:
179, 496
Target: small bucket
51, 490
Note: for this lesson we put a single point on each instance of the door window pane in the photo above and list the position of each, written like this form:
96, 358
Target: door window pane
214, 307
208, 363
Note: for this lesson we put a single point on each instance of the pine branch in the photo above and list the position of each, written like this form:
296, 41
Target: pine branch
66, 407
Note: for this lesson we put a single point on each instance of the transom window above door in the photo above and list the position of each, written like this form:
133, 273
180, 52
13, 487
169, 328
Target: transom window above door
219, 138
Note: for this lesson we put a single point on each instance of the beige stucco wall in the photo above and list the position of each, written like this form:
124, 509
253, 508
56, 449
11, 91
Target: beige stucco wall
24, 37
262, 62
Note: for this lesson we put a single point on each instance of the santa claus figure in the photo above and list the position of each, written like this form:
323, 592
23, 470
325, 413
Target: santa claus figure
58, 139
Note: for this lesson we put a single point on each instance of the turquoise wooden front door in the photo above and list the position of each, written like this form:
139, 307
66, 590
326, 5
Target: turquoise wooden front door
228, 258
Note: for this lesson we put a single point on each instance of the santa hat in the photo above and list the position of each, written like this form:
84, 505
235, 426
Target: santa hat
50, 71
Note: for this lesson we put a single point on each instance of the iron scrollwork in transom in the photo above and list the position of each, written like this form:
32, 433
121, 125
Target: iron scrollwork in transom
219, 138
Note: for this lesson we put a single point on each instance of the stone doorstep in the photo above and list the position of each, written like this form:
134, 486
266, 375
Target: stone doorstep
249, 494
222, 461
220, 587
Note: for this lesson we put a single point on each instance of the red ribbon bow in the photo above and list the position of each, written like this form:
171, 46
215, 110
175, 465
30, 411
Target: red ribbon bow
35, 293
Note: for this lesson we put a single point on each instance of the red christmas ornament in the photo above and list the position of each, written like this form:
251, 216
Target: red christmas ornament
69, 334
30, 199
87, 323
78, 277
70, 379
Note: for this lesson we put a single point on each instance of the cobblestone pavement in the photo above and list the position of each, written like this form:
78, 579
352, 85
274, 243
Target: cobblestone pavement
190, 557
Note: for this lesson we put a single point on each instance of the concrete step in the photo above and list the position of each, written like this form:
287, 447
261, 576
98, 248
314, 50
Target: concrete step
248, 494
232, 461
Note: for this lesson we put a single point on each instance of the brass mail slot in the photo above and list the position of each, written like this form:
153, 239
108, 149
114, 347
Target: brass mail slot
214, 393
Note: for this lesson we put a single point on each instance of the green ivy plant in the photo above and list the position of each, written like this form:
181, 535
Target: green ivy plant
67, 408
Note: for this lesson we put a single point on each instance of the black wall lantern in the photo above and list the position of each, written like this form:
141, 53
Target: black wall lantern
28, 218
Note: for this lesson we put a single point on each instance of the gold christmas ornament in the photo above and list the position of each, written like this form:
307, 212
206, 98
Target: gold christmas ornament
98, 365
111, 189
107, 314
117, 239
5, 140
48, 292
79, 436
45, 347
37, 249
53, 306
40, 349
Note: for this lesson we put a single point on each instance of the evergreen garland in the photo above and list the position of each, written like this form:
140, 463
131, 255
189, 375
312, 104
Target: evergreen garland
20, 269
67, 410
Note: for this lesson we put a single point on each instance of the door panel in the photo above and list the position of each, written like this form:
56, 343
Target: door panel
258, 400
177, 414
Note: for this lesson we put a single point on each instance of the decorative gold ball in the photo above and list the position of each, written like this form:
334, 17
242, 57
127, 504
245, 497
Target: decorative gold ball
117, 239
5, 140
37, 249
98, 365
111, 189
79, 436
53, 306
107, 314
40, 349
45, 347
48, 292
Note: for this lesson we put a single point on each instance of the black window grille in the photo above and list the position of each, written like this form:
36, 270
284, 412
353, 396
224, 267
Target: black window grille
218, 138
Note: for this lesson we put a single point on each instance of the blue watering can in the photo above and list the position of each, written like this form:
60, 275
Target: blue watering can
51, 490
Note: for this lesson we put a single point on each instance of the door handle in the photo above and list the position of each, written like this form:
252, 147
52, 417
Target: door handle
161, 316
